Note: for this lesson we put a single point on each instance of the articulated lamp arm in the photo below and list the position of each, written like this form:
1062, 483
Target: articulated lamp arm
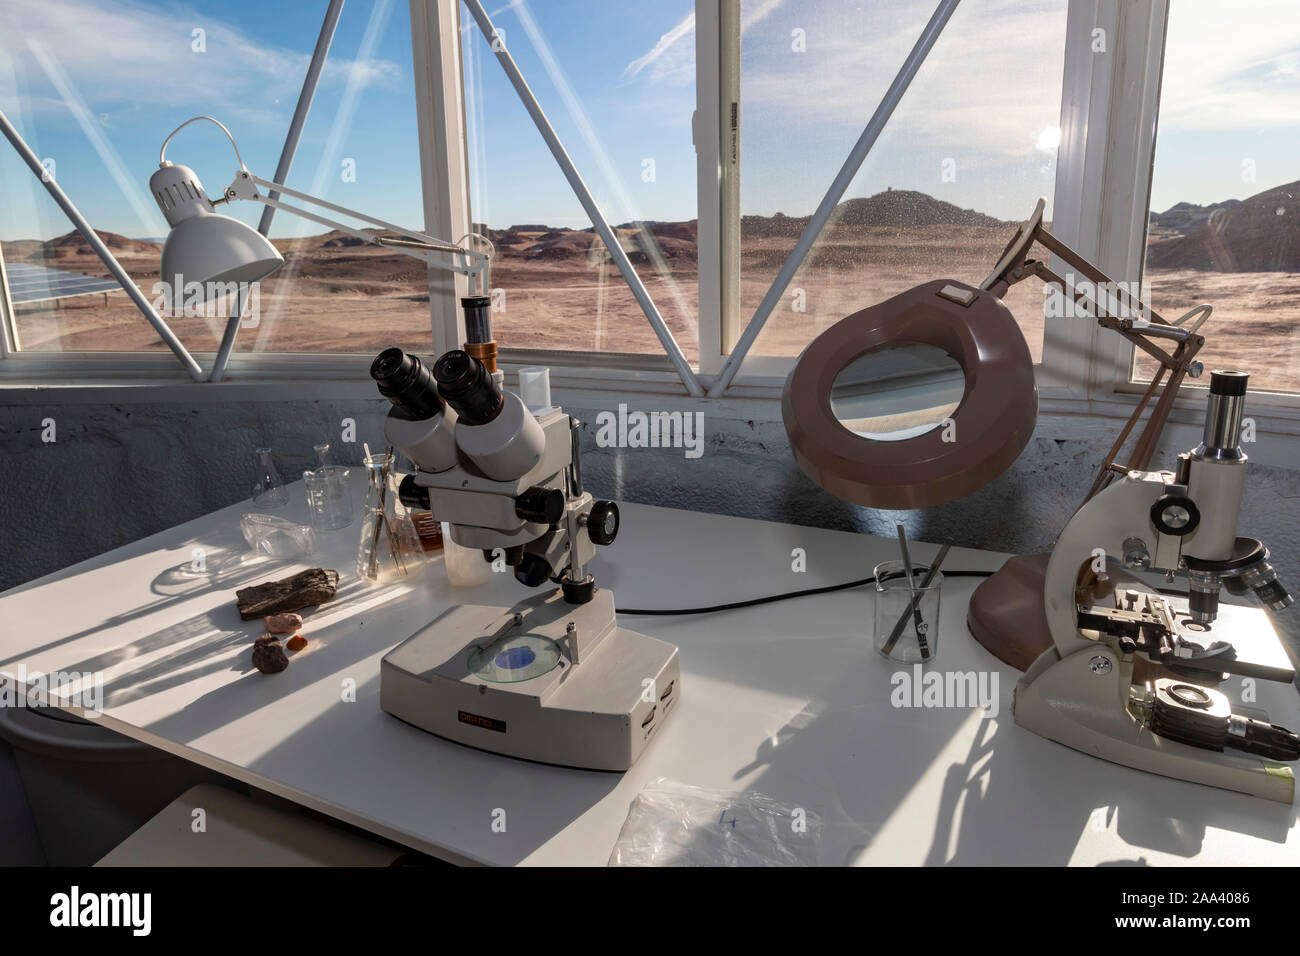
467, 261
1133, 319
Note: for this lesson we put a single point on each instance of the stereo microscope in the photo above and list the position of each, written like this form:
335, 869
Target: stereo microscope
1133, 676
554, 678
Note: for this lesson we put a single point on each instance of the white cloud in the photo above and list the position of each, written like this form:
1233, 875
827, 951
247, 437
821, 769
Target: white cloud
673, 55
983, 86
123, 52
1231, 69
988, 87
756, 12
664, 44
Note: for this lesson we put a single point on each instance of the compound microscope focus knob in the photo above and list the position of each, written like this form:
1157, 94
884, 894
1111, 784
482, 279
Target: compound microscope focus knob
603, 523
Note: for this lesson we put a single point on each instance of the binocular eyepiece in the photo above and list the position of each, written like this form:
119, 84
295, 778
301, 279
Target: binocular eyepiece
457, 378
467, 386
404, 381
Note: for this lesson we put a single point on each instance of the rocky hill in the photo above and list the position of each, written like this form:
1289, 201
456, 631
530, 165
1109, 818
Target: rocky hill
1182, 216
72, 244
1258, 234
895, 208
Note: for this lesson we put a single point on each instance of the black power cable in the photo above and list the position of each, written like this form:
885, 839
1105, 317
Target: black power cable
770, 598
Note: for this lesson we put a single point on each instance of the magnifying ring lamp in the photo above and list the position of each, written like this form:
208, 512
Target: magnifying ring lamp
987, 431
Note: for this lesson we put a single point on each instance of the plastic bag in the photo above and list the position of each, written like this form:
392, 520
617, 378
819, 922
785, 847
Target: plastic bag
673, 824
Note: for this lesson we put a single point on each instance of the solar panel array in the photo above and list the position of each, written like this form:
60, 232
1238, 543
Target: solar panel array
32, 283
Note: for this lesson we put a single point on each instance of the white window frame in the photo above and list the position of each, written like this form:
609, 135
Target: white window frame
70, 370
1101, 207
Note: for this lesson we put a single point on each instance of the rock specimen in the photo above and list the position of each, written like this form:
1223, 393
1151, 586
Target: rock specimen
283, 623
305, 589
296, 643
268, 656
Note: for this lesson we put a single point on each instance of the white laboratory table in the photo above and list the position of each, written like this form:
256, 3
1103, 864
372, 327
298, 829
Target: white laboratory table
788, 699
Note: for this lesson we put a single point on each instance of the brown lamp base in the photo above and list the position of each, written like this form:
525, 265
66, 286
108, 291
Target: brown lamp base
1007, 614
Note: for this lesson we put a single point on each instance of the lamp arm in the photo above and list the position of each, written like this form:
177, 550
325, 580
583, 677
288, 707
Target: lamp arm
1016, 265
420, 245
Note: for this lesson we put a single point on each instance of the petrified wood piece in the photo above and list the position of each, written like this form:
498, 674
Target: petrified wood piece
305, 589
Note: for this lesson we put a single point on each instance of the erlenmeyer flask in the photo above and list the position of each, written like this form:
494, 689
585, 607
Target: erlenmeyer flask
268, 489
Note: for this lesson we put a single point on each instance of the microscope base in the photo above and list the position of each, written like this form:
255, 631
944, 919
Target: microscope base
597, 707
1068, 701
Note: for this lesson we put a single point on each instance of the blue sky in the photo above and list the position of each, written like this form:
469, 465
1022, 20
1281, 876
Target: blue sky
95, 85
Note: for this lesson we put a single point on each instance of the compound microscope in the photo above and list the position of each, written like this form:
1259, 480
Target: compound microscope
552, 679
1134, 678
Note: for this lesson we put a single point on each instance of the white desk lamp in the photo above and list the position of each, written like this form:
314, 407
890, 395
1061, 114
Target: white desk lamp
211, 249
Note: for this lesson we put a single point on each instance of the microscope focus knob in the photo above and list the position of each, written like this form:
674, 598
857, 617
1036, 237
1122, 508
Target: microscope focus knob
543, 505
602, 522
1175, 515
532, 570
413, 495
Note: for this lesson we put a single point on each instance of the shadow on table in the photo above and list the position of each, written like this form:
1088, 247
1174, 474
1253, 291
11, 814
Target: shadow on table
966, 789
203, 644
996, 804
327, 753
221, 570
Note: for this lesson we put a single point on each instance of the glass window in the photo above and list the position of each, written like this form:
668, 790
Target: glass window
617, 82
97, 110
1224, 226
965, 156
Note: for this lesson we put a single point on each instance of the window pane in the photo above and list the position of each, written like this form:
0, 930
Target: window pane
1225, 201
99, 111
966, 154
618, 84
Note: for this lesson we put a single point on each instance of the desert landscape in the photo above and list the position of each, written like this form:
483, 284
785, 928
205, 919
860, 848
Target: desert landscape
336, 293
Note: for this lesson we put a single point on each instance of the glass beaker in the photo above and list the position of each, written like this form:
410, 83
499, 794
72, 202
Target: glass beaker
466, 567
268, 488
907, 616
329, 497
389, 548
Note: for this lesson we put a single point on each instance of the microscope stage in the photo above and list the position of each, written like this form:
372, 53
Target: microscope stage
474, 677
1257, 651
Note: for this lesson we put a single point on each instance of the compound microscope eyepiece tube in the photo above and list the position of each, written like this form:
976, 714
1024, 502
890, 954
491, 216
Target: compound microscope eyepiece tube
1221, 438
1239, 563
1215, 475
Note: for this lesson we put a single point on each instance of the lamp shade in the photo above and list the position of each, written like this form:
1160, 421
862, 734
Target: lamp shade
205, 247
